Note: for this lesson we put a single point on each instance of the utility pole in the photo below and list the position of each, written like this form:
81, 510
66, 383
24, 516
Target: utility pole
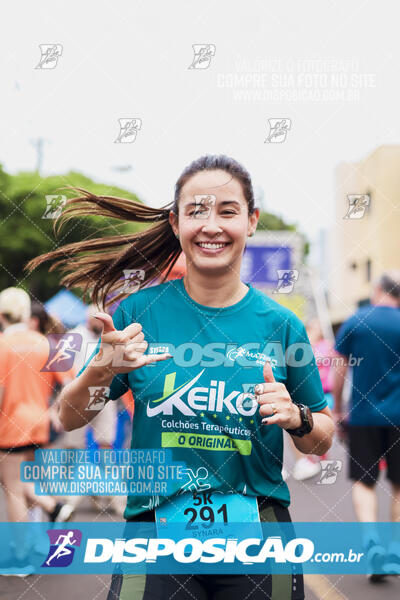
38, 144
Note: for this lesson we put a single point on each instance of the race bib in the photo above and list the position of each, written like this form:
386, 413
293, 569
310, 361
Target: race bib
201, 511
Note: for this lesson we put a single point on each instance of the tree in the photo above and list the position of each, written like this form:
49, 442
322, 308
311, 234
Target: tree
270, 222
24, 233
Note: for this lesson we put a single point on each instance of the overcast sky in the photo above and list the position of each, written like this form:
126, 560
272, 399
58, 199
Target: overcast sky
131, 59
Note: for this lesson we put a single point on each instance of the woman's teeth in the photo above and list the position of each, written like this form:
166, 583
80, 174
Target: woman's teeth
211, 246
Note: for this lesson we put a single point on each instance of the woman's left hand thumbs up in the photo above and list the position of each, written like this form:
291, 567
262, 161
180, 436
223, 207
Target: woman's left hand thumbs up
275, 402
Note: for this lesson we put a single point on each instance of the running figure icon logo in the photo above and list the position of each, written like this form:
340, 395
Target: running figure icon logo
196, 480
330, 469
358, 203
286, 280
63, 347
278, 129
203, 206
133, 278
98, 397
62, 547
50, 53
203, 54
128, 129
54, 205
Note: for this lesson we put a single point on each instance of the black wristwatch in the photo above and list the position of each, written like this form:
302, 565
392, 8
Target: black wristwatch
307, 422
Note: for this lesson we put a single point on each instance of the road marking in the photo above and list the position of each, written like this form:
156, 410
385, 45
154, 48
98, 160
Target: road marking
323, 588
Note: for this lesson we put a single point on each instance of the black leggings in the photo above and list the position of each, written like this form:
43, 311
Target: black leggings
212, 587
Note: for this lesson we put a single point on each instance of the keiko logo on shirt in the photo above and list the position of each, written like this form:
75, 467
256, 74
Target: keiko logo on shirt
200, 399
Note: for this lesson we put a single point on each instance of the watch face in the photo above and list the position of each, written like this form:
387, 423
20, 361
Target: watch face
308, 418
307, 422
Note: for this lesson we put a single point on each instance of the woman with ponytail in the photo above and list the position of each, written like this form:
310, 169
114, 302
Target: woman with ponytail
194, 353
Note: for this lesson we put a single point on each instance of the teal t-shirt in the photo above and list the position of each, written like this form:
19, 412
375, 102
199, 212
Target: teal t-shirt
200, 403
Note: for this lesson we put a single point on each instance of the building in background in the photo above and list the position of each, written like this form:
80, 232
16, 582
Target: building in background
363, 245
271, 253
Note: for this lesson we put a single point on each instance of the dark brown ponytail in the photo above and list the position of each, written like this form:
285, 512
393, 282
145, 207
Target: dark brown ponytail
101, 261
97, 264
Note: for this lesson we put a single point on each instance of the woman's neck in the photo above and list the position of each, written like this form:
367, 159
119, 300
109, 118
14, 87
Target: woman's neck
217, 291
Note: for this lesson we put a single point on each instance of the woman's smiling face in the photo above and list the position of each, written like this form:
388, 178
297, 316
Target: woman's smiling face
214, 221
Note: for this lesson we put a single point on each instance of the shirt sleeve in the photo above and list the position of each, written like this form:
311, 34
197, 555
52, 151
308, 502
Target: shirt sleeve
344, 338
303, 381
119, 384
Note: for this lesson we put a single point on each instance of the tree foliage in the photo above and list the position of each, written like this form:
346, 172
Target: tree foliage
24, 233
270, 222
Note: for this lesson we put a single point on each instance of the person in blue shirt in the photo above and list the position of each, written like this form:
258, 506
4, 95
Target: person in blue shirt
369, 345
218, 370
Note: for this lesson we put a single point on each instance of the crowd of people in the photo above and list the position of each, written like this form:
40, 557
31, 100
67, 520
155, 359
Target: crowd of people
31, 377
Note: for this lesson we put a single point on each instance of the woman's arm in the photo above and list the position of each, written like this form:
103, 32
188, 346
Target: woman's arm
119, 352
75, 397
277, 407
319, 440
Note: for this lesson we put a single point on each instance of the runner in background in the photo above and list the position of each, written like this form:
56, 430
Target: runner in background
41, 321
306, 467
104, 424
369, 343
24, 408
103, 427
325, 354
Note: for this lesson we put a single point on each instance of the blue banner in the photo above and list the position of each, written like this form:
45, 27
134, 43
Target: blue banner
343, 548
261, 263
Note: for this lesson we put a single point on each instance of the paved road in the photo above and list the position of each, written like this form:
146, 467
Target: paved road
310, 502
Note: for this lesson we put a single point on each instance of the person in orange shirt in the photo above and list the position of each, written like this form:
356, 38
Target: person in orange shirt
25, 391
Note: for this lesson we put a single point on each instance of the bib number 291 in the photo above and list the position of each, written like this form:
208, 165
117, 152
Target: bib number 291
205, 511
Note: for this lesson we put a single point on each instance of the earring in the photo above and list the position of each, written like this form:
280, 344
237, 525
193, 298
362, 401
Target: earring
177, 235
250, 234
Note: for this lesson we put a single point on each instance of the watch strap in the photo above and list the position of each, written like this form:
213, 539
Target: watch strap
305, 426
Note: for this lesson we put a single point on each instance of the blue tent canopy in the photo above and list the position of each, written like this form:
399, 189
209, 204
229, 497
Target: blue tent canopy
67, 307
